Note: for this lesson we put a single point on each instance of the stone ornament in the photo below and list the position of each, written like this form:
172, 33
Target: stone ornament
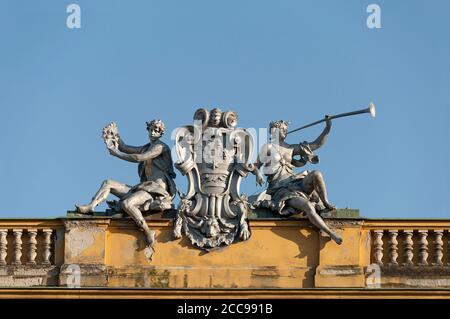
156, 189
289, 192
438, 247
393, 246
32, 246
423, 247
214, 155
378, 247
47, 246
409, 247
17, 244
3, 246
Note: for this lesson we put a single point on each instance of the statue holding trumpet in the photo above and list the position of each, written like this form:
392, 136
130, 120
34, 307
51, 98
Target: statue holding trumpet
289, 192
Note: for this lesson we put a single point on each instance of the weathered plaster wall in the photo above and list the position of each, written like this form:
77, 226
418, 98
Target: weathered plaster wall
282, 253
278, 255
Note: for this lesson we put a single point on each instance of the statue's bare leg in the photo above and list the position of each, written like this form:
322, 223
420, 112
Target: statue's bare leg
314, 181
131, 206
108, 186
307, 207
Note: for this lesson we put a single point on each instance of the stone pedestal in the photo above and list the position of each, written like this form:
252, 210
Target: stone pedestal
84, 253
342, 265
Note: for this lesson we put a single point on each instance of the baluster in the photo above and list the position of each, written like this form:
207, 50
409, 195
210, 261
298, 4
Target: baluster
17, 246
448, 249
408, 248
438, 247
47, 246
423, 247
378, 247
32, 246
3, 246
393, 247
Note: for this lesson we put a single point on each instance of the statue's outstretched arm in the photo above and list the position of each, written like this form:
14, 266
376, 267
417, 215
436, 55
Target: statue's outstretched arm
153, 152
299, 162
321, 140
255, 168
258, 163
128, 148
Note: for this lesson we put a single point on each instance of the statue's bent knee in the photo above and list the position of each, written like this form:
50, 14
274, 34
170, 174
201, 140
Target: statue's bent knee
127, 205
316, 174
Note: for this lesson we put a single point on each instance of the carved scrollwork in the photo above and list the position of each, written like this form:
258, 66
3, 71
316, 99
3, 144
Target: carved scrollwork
202, 115
229, 119
214, 160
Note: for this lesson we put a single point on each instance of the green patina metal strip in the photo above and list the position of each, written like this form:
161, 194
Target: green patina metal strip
253, 214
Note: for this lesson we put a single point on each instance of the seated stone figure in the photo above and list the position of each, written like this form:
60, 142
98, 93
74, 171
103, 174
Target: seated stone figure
156, 189
289, 192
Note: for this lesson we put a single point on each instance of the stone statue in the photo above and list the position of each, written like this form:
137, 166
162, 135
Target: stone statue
156, 189
214, 155
289, 192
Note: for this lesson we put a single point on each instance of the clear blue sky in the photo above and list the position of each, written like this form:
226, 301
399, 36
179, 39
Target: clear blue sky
133, 61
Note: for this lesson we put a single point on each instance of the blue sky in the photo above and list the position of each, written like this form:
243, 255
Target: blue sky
133, 61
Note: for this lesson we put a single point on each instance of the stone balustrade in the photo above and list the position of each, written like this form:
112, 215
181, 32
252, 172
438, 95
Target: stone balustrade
29, 244
24, 245
410, 253
419, 247
30, 253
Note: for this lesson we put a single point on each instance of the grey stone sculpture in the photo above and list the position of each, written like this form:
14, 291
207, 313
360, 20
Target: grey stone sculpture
156, 189
288, 192
214, 155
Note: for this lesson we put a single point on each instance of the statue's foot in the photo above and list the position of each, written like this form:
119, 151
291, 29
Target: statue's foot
178, 227
329, 206
336, 238
245, 233
150, 238
177, 232
148, 252
84, 209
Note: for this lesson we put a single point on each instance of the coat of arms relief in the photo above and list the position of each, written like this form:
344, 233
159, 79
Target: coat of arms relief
214, 155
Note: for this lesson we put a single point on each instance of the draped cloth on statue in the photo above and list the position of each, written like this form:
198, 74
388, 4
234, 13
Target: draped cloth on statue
284, 184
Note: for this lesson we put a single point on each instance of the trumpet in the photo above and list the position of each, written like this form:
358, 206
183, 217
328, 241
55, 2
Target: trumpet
370, 109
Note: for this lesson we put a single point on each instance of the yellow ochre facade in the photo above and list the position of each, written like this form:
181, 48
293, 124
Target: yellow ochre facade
101, 256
